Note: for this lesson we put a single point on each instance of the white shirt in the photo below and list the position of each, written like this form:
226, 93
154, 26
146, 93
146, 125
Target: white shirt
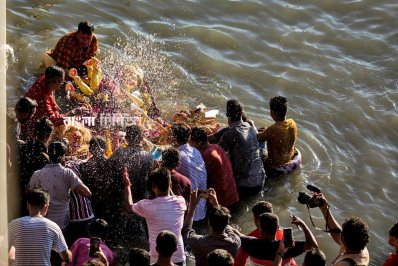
163, 213
58, 181
34, 238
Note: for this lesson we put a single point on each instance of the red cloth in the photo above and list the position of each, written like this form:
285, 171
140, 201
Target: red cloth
392, 260
181, 185
241, 257
220, 175
68, 52
46, 105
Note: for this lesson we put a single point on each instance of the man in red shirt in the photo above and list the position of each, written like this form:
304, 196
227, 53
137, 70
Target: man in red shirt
259, 208
42, 92
393, 241
220, 176
76, 47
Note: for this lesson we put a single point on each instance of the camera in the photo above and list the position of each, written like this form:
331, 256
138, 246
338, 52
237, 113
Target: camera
202, 192
312, 201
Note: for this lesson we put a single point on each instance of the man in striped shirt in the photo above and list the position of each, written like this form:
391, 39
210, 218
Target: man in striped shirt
34, 236
191, 165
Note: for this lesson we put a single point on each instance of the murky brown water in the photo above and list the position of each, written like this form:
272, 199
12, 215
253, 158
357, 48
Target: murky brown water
336, 62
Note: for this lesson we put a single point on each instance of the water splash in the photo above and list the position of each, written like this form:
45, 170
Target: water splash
145, 53
10, 56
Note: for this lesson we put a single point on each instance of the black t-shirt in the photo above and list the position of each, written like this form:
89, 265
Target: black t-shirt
266, 249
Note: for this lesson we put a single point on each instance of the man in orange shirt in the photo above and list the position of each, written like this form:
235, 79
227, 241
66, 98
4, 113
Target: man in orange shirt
281, 136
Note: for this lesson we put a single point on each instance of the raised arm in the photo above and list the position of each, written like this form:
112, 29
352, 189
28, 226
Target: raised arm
332, 224
127, 192
191, 210
310, 241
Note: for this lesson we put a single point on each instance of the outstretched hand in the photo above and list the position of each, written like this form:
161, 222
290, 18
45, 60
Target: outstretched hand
126, 179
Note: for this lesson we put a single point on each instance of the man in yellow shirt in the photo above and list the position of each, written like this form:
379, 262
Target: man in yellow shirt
281, 136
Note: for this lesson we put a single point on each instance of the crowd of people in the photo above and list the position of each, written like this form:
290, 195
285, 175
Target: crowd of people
94, 210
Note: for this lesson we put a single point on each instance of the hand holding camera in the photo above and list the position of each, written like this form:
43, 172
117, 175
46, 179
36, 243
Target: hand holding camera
210, 195
316, 200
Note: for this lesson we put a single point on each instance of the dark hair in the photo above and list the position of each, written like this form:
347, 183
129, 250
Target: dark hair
38, 198
133, 134
394, 230
198, 134
234, 110
161, 178
85, 27
220, 257
219, 218
97, 144
99, 228
166, 243
262, 207
139, 256
269, 223
43, 128
25, 105
54, 72
56, 151
170, 158
278, 105
355, 233
314, 257
181, 132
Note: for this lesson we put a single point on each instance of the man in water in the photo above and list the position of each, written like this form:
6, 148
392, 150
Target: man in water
280, 137
75, 47
220, 176
240, 141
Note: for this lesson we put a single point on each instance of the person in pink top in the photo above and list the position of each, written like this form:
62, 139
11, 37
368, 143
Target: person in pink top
165, 212
81, 248
220, 176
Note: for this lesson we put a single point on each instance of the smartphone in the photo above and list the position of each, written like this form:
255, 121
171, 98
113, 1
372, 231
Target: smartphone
94, 246
202, 191
288, 237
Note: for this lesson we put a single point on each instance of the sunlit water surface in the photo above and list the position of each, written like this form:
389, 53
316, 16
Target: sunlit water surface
335, 61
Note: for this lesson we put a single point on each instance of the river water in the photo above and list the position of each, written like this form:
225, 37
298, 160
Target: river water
335, 61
